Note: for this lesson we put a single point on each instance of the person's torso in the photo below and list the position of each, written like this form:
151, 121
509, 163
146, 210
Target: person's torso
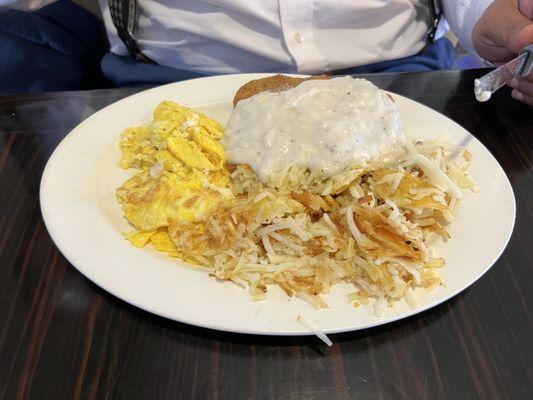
231, 36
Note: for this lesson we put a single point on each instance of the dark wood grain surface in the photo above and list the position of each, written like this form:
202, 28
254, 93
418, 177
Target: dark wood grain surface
61, 337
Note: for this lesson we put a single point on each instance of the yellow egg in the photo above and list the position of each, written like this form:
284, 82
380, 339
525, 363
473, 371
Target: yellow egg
211, 127
161, 131
212, 147
171, 163
137, 150
140, 239
172, 111
181, 175
171, 119
189, 153
162, 242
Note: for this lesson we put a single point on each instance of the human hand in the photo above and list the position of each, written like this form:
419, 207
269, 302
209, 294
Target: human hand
499, 35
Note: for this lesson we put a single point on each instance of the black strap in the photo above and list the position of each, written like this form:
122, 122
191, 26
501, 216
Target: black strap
435, 13
124, 17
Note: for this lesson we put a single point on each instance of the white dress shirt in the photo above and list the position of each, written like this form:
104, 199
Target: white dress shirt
306, 36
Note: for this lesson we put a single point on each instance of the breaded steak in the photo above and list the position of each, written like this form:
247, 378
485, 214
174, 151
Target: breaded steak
275, 83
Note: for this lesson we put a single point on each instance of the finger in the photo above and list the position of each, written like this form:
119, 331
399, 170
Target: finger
523, 37
527, 78
522, 97
523, 85
526, 8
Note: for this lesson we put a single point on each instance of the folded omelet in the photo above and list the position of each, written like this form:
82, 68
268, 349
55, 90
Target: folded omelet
181, 174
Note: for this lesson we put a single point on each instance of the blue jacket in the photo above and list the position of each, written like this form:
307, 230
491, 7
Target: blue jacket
58, 47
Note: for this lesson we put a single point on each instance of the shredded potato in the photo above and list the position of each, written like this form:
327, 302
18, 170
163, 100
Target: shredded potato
371, 232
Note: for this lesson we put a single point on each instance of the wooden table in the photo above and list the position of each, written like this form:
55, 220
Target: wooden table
61, 337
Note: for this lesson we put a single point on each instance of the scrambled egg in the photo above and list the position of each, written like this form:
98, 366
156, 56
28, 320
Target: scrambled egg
181, 174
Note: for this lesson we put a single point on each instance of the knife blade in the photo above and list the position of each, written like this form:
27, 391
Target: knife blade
518, 67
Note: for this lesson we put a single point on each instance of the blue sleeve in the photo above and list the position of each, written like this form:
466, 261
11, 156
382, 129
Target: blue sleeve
57, 47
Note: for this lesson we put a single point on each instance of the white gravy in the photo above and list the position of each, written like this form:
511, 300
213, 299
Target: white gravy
319, 124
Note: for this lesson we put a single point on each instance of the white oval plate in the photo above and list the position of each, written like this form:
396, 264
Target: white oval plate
86, 223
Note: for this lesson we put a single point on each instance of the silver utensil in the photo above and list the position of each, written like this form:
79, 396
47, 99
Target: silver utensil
516, 68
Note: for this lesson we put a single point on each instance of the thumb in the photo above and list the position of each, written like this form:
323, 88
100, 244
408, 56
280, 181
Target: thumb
521, 32
503, 29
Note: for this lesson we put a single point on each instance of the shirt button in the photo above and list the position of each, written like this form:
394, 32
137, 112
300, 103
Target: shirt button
299, 38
